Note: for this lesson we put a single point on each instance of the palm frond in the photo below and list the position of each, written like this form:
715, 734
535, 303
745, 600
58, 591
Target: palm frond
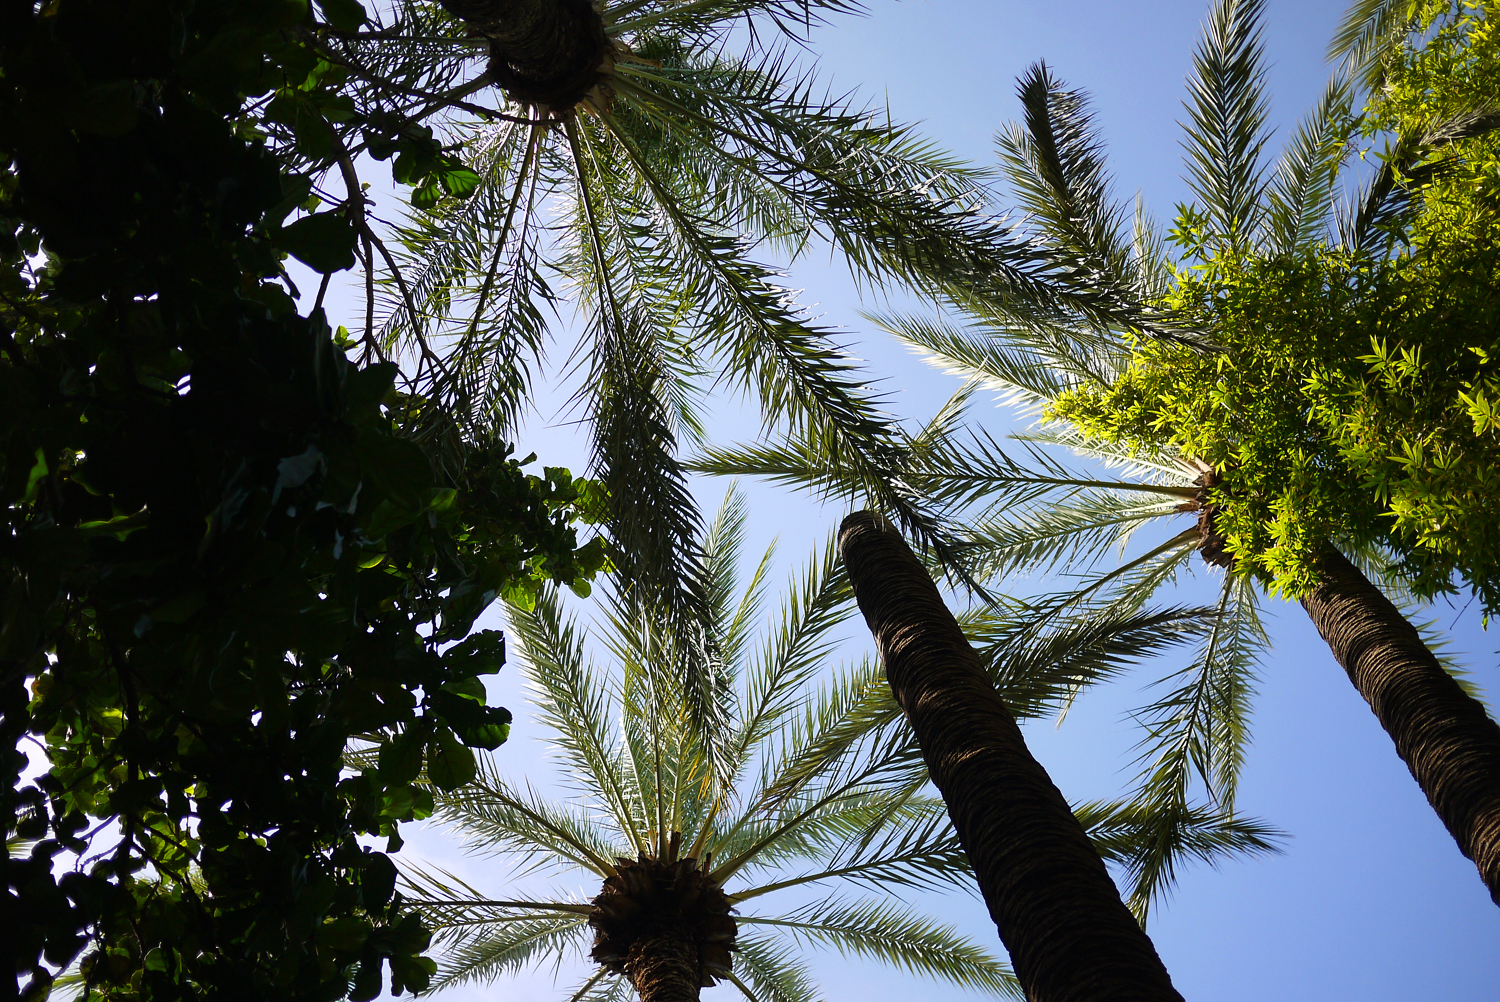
1029, 366
1153, 466
1073, 532
920, 851
1371, 32
1056, 166
1201, 727
1300, 197
772, 972
1226, 131
574, 700
946, 423
1149, 843
711, 18
1041, 655
791, 810
603, 986
730, 620
474, 272
482, 953
499, 819
1151, 269
964, 473
654, 522
887, 931
853, 709
794, 652
1407, 166
451, 903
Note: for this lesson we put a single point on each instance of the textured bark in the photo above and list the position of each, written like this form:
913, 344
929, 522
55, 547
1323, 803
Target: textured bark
663, 923
1070, 937
664, 968
546, 53
1444, 736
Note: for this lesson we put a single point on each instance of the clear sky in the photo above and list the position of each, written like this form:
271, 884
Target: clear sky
1371, 900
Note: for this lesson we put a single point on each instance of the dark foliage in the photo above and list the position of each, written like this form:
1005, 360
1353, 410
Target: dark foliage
222, 558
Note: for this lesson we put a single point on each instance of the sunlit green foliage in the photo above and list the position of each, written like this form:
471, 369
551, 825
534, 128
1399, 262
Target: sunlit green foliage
1352, 395
1354, 392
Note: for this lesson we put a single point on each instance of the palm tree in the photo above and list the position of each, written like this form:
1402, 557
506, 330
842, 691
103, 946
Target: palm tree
1059, 914
633, 165
817, 786
626, 173
1036, 514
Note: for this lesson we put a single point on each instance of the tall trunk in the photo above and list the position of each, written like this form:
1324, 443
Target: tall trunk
1070, 937
664, 967
546, 53
1446, 738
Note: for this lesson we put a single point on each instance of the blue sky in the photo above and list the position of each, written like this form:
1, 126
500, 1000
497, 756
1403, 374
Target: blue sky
1371, 900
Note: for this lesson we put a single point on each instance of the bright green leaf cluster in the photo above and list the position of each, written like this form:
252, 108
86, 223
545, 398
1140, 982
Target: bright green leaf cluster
1349, 398
1244, 408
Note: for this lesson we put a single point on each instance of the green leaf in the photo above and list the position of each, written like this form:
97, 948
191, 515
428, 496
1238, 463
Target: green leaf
489, 730
106, 110
469, 686
426, 195
459, 182
378, 880
449, 764
324, 242
316, 139
345, 15
369, 386
483, 653
411, 973
366, 980
38, 474
401, 758
347, 933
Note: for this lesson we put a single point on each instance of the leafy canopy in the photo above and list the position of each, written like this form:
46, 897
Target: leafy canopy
1352, 394
223, 555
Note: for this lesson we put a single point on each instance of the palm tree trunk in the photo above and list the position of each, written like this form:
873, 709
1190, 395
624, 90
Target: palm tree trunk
664, 968
545, 53
1444, 735
1070, 937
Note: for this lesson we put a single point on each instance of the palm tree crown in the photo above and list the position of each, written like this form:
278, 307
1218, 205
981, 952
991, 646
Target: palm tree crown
641, 191
805, 786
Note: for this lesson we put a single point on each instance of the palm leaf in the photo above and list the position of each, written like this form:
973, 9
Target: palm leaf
525, 827
1225, 131
1300, 197
795, 651
1149, 843
772, 973
1200, 728
574, 701
921, 851
1370, 33
1056, 167
484, 953
887, 931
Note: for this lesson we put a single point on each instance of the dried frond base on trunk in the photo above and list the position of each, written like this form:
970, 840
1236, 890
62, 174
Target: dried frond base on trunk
549, 54
665, 924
